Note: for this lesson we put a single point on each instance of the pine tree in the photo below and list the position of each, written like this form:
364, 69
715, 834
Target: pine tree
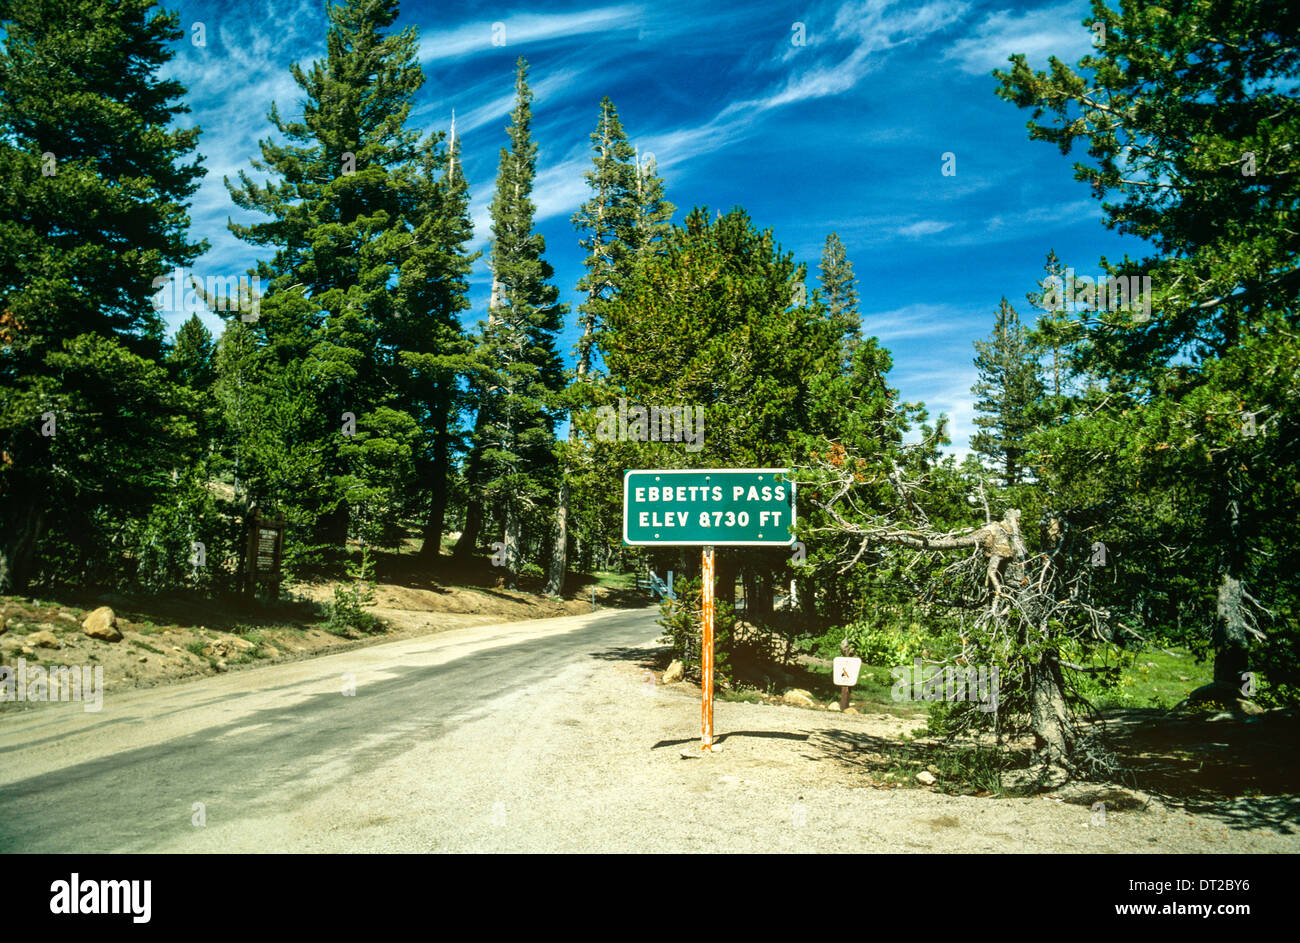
1054, 330
608, 219
193, 355
434, 349
92, 210
652, 214
1008, 391
841, 297
1193, 134
683, 332
355, 208
522, 372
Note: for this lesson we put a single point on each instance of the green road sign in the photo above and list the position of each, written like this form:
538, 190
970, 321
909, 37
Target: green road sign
735, 507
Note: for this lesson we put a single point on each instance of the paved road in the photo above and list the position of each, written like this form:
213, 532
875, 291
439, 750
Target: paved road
529, 736
261, 745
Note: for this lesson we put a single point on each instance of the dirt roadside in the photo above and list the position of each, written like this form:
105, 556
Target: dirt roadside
164, 642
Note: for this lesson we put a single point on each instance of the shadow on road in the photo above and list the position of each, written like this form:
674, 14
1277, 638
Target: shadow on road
722, 737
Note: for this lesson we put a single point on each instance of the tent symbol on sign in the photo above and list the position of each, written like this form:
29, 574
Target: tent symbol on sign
845, 671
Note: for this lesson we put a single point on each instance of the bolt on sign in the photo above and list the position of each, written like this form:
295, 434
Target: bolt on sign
731, 507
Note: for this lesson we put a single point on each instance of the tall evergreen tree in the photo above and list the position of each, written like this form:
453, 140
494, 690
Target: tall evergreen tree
1008, 393
652, 214
356, 212
193, 355
92, 211
1193, 134
707, 322
521, 369
434, 351
841, 297
1054, 330
608, 218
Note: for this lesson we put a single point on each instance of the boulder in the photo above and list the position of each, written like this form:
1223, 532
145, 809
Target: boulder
925, 778
799, 697
102, 624
833, 706
676, 671
851, 710
44, 639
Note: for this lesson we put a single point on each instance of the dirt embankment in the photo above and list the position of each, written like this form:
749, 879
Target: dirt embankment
165, 640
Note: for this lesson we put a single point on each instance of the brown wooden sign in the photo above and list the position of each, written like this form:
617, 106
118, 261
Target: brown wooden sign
265, 543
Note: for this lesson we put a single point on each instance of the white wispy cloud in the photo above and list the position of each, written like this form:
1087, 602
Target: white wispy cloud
916, 320
520, 29
872, 28
1056, 214
1051, 31
925, 227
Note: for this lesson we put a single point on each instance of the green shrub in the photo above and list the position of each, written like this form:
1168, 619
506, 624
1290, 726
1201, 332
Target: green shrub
885, 647
347, 612
683, 625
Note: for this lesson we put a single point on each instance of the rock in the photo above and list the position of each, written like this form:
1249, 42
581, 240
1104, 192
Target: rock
675, 672
242, 644
1251, 708
798, 697
220, 666
851, 710
68, 615
143, 659
833, 706
1221, 716
102, 624
28, 651
44, 639
925, 778
271, 651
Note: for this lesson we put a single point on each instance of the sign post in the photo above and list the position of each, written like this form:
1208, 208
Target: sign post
706, 652
708, 508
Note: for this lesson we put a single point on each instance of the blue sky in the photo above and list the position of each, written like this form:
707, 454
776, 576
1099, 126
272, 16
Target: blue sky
846, 132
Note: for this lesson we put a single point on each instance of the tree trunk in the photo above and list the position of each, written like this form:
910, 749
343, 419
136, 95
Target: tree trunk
1232, 629
23, 525
559, 562
511, 540
1049, 715
467, 546
431, 548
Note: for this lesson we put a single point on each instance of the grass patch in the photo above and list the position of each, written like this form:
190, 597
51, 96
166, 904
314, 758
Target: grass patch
614, 580
147, 647
1150, 679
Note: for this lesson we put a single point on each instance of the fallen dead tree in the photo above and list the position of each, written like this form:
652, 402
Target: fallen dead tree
1017, 610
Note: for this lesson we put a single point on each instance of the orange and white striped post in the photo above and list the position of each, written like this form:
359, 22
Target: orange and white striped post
706, 653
